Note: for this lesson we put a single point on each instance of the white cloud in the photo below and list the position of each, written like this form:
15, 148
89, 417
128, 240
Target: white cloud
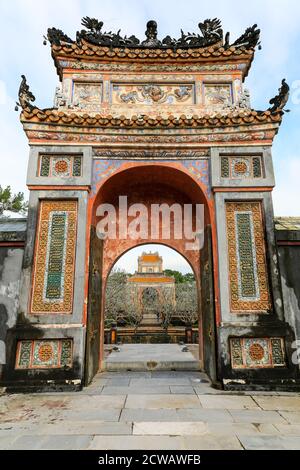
14, 149
286, 195
3, 93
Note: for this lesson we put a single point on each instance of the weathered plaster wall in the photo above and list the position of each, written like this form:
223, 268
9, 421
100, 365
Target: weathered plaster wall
289, 263
10, 272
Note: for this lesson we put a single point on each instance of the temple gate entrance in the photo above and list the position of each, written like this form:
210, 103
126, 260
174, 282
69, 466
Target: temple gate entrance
148, 184
138, 123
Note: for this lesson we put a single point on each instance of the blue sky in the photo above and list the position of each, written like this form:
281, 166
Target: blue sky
23, 23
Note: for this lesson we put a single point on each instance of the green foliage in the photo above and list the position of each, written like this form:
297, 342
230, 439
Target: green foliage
12, 202
179, 277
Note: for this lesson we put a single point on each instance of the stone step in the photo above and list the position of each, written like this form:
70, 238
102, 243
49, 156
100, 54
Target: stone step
151, 366
147, 357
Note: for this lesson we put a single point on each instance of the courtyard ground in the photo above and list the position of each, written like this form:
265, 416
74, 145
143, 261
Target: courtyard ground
150, 410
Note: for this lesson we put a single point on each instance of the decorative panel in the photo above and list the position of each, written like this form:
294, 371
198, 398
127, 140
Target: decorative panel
248, 280
225, 167
241, 167
149, 94
62, 166
218, 94
87, 95
53, 275
44, 354
252, 353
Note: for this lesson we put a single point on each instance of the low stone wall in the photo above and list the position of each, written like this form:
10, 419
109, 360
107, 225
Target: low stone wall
128, 335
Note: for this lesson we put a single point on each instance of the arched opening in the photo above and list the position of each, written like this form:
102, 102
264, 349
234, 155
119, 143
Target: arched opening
151, 296
148, 185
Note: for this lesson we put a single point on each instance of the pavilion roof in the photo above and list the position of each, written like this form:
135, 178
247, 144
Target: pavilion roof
211, 44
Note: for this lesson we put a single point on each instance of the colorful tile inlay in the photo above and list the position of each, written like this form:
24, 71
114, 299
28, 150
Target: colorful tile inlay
44, 354
60, 166
241, 167
248, 280
53, 274
252, 353
102, 169
200, 170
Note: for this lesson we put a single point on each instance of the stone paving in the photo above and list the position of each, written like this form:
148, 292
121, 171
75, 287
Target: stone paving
150, 410
161, 356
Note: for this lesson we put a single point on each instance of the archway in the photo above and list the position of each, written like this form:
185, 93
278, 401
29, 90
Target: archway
151, 297
150, 184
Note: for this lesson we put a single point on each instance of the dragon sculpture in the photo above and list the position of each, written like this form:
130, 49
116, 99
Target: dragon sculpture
279, 101
93, 34
25, 96
211, 33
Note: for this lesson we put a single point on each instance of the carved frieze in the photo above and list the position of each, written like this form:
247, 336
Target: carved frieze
87, 95
136, 154
152, 93
133, 67
217, 94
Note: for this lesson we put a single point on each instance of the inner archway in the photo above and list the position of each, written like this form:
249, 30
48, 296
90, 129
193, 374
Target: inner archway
148, 184
151, 296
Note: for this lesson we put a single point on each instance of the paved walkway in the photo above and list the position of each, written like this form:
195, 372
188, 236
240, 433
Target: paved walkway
152, 356
150, 410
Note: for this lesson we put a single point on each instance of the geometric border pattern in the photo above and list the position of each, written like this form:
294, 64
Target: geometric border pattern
247, 258
254, 353
47, 267
44, 354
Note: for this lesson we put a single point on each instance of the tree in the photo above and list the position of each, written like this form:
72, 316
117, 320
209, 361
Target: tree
179, 277
12, 202
166, 307
189, 277
176, 274
187, 303
120, 305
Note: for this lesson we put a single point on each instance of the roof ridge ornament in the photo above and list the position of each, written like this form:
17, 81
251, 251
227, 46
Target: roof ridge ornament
151, 35
25, 96
56, 36
250, 38
93, 34
280, 100
210, 29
